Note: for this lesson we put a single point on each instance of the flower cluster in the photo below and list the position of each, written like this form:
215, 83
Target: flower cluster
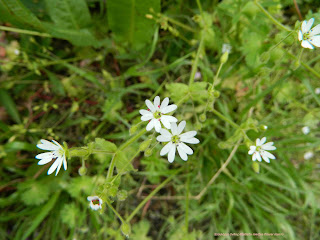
175, 139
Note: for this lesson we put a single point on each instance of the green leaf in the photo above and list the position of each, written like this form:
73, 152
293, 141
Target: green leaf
8, 103
69, 214
33, 193
122, 163
105, 145
128, 22
177, 90
69, 14
80, 186
15, 12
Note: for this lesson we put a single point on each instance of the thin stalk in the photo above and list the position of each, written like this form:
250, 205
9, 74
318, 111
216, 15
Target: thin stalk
223, 167
133, 139
281, 41
115, 211
275, 21
217, 74
225, 118
111, 167
23, 31
186, 27
195, 63
157, 189
187, 200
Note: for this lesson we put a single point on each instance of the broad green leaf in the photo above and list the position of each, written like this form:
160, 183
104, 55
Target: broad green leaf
177, 90
15, 12
122, 163
8, 103
69, 14
105, 145
127, 20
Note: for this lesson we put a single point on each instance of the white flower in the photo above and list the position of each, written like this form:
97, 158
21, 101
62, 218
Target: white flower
308, 36
226, 47
176, 140
259, 150
197, 75
95, 202
305, 130
308, 155
16, 52
317, 91
56, 153
156, 114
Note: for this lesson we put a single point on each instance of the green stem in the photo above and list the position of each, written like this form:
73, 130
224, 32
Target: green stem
217, 74
115, 211
275, 21
195, 63
111, 167
187, 199
180, 24
23, 31
157, 189
281, 41
225, 118
200, 8
131, 140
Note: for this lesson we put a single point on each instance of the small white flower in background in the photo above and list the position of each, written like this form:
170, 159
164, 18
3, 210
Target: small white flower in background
309, 37
260, 150
197, 75
305, 130
308, 155
226, 47
57, 153
156, 114
16, 52
317, 91
176, 140
95, 202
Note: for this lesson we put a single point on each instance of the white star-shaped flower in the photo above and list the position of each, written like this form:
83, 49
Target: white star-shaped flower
260, 150
95, 202
305, 130
309, 37
176, 140
156, 114
57, 153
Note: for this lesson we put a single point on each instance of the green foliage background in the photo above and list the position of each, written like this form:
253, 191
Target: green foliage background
83, 71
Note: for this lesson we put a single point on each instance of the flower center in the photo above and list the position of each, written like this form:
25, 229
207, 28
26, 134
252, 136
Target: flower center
60, 152
175, 139
96, 202
306, 36
157, 114
258, 148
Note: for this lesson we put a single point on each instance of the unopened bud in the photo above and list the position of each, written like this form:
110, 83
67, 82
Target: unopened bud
263, 128
224, 57
82, 171
125, 229
144, 145
149, 16
216, 94
203, 117
148, 152
256, 167
133, 129
122, 195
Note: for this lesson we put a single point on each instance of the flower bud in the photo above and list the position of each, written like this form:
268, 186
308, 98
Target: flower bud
149, 16
133, 129
82, 171
263, 128
144, 145
148, 152
203, 117
224, 57
216, 94
256, 167
125, 229
122, 195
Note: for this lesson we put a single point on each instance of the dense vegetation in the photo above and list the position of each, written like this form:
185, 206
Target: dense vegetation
79, 71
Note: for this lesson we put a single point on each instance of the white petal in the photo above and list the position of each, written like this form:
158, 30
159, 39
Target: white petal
174, 128
54, 166
157, 125
300, 35
165, 132
150, 106
254, 156
167, 120
258, 156
169, 108
59, 165
156, 102
172, 153
265, 157
308, 25
58, 144
164, 103
263, 140
46, 159
151, 124
188, 150
315, 40
190, 140
189, 134
268, 146
306, 44
46, 145
303, 26
44, 155
181, 126
64, 162
251, 151
90, 198
164, 138
166, 148
182, 154
269, 155
146, 117
258, 142
144, 112
315, 30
